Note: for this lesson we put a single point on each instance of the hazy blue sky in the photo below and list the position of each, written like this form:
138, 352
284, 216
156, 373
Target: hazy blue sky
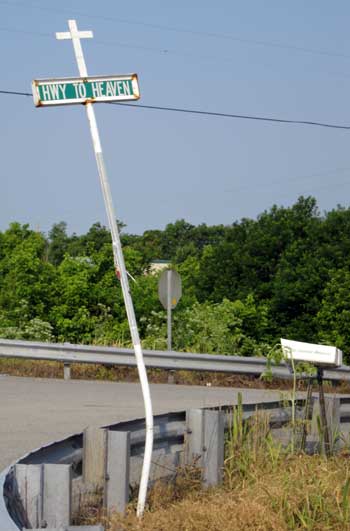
272, 58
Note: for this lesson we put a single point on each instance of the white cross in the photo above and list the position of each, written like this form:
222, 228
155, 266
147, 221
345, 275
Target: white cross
76, 35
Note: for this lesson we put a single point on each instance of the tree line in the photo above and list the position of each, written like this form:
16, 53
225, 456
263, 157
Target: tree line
245, 285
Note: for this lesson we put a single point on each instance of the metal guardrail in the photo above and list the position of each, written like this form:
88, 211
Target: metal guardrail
169, 441
6, 522
170, 433
168, 360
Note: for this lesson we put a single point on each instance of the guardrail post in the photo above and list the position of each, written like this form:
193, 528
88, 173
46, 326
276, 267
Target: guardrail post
171, 377
205, 443
57, 484
116, 494
195, 437
213, 454
29, 483
94, 457
332, 404
66, 371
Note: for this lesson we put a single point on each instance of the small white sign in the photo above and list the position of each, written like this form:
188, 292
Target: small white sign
321, 355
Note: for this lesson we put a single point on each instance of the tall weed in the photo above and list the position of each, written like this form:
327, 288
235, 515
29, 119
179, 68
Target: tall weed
249, 445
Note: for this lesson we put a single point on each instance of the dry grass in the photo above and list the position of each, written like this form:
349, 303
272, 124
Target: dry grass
37, 369
216, 511
266, 487
84, 371
301, 493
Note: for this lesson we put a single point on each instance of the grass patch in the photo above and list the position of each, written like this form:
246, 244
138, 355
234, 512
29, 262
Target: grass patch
29, 368
266, 487
292, 493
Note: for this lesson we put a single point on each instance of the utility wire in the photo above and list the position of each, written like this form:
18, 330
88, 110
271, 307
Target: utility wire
164, 51
210, 113
237, 116
213, 35
169, 52
14, 93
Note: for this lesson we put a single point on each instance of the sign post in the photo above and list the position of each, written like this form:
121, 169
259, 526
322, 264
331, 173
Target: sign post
87, 90
169, 291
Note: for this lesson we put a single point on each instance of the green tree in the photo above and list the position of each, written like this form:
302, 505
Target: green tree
333, 318
71, 315
230, 327
27, 279
58, 242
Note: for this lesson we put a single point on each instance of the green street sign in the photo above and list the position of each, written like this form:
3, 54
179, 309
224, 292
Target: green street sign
68, 91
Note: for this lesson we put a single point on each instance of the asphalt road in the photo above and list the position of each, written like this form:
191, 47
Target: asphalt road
35, 411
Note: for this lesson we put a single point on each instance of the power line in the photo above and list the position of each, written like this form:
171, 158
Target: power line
165, 51
237, 116
210, 113
14, 93
215, 35
216, 59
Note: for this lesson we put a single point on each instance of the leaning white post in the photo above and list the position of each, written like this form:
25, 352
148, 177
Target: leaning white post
169, 303
75, 36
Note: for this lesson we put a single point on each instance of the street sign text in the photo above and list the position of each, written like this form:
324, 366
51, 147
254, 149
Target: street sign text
84, 90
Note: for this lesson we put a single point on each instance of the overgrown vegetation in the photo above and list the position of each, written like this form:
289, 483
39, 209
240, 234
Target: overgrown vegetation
300, 493
244, 285
266, 487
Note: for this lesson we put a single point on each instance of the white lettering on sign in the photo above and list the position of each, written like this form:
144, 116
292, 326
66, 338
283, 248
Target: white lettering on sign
46, 92
57, 91
97, 89
111, 88
75, 85
82, 90
124, 88
94, 88
54, 92
63, 90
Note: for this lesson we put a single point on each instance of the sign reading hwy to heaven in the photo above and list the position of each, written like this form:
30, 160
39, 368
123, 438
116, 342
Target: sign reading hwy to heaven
85, 90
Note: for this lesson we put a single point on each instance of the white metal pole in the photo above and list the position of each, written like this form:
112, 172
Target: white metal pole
169, 339
119, 263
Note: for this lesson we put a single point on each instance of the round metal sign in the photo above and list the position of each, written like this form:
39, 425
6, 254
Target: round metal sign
169, 288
